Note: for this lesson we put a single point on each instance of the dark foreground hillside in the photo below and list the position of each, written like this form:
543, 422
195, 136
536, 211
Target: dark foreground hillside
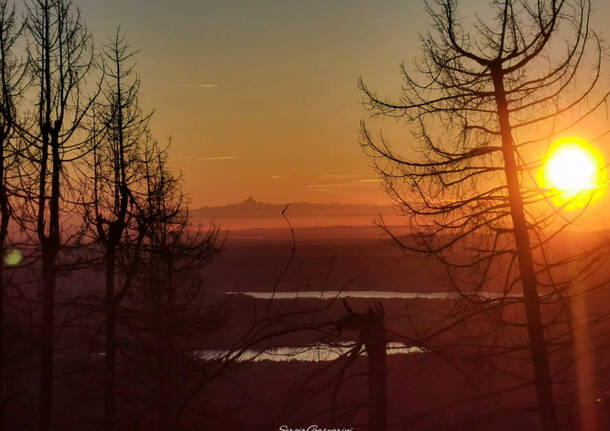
455, 380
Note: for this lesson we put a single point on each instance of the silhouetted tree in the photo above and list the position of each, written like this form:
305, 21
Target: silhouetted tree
12, 84
60, 60
485, 102
119, 129
165, 314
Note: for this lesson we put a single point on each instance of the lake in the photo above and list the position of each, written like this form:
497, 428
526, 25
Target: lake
363, 294
312, 353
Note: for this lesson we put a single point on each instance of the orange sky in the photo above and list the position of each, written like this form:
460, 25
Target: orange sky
260, 96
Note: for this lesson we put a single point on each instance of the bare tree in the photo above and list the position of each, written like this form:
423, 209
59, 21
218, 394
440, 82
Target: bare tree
12, 84
165, 314
485, 103
60, 59
119, 128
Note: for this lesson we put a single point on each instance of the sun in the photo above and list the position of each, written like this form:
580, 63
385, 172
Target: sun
573, 172
572, 169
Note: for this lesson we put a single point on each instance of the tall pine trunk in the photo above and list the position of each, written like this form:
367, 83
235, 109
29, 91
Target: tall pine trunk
47, 344
2, 344
110, 343
375, 343
49, 248
531, 300
5, 216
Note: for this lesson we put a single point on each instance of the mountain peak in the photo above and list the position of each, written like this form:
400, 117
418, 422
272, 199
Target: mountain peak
253, 208
250, 201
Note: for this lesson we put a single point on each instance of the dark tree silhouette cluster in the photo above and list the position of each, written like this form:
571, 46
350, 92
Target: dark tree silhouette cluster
102, 264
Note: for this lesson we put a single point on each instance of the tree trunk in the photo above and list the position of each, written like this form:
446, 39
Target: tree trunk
47, 334
4, 222
3, 373
531, 299
49, 247
375, 344
168, 348
110, 344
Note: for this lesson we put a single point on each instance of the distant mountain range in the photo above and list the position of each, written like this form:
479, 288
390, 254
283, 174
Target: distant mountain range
251, 208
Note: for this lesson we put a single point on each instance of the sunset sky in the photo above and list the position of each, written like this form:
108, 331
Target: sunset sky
260, 96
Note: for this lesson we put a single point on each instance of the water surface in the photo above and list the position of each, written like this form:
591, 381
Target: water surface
312, 353
363, 294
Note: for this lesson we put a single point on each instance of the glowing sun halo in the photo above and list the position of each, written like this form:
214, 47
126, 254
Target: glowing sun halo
573, 171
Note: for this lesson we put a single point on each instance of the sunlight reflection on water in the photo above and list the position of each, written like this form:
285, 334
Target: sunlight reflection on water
313, 353
368, 294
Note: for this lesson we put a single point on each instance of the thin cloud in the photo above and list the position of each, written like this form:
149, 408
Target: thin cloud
356, 183
336, 185
326, 186
278, 177
335, 176
208, 159
198, 85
